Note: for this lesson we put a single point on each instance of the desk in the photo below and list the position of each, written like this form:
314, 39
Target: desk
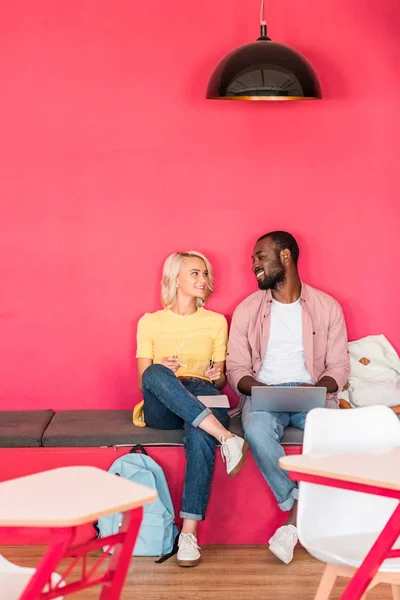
369, 472
54, 503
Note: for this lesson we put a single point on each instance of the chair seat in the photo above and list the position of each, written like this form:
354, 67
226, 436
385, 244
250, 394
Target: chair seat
12, 584
14, 579
350, 550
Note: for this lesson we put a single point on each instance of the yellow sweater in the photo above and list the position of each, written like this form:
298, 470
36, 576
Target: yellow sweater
195, 339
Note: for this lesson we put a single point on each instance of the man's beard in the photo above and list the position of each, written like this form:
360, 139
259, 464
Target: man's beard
273, 280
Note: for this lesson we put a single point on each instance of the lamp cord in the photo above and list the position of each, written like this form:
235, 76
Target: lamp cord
263, 22
262, 14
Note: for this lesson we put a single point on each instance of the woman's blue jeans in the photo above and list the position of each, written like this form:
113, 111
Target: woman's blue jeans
171, 403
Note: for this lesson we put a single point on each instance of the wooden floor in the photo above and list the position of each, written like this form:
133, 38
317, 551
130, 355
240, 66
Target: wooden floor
226, 573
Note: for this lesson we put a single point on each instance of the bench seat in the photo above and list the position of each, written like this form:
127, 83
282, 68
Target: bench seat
23, 428
97, 428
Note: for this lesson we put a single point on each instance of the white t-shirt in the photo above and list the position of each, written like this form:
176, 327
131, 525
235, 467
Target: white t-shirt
284, 361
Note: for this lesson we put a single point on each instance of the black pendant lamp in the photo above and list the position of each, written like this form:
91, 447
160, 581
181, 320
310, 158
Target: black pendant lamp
264, 70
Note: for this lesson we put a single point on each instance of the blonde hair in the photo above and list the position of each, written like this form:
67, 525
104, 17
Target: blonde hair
171, 270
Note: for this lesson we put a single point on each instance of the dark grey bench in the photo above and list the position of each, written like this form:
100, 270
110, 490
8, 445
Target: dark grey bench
95, 428
23, 428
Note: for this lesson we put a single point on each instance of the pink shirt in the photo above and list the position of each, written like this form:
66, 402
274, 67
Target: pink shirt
324, 337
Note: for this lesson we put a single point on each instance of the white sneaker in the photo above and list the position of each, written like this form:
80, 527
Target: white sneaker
283, 542
233, 452
188, 552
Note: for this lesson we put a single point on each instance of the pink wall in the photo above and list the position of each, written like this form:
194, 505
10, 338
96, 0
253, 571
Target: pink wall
111, 158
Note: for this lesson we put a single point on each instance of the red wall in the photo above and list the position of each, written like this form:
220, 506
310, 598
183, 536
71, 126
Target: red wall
111, 158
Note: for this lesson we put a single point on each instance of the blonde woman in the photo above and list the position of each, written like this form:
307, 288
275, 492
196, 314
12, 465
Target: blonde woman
181, 354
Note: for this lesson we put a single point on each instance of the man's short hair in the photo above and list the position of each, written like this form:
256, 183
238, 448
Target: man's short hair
283, 240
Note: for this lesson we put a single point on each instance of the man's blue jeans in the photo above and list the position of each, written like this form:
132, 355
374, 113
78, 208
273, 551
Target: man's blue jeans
171, 403
264, 431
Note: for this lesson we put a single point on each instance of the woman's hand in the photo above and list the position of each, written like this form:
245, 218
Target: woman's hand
214, 373
171, 363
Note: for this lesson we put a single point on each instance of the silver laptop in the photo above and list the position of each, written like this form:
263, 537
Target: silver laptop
287, 398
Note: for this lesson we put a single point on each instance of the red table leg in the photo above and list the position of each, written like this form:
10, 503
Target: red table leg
62, 538
379, 551
382, 548
122, 555
61, 547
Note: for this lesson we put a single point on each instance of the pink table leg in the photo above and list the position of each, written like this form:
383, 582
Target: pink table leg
382, 548
122, 555
62, 538
61, 546
375, 557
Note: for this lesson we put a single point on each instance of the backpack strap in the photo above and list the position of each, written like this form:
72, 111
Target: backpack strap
138, 448
174, 548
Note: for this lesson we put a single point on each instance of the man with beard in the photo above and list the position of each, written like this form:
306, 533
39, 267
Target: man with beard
288, 333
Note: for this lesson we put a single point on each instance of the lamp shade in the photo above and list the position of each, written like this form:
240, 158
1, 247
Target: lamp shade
264, 70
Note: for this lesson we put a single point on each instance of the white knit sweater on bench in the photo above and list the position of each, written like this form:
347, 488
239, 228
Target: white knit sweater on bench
375, 373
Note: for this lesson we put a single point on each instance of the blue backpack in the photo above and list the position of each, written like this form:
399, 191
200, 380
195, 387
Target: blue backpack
158, 534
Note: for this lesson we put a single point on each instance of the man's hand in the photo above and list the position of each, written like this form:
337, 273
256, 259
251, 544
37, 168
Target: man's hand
246, 383
327, 382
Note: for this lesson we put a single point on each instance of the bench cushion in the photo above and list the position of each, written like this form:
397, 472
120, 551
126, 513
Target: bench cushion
94, 428
23, 428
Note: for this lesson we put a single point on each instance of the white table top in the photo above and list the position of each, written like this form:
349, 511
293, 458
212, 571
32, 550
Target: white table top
380, 468
68, 496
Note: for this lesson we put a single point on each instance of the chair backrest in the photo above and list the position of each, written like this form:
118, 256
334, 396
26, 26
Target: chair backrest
325, 511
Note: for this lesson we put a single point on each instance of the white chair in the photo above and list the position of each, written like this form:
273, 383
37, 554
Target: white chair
13, 579
339, 526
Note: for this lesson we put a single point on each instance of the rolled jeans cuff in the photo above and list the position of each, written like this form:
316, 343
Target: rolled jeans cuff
185, 515
288, 504
207, 411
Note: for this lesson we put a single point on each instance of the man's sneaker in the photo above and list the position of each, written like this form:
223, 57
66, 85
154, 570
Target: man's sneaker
188, 552
283, 542
233, 452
